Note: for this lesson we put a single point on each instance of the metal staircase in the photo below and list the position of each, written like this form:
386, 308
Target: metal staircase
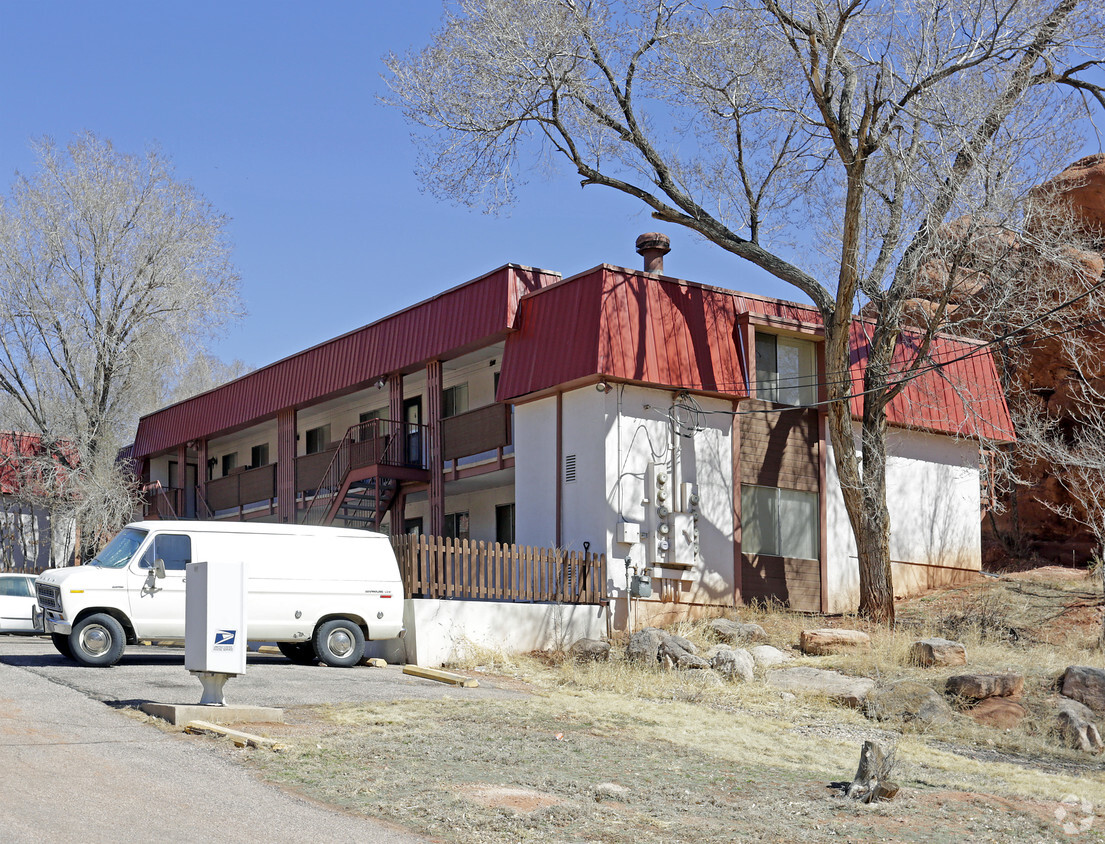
363, 479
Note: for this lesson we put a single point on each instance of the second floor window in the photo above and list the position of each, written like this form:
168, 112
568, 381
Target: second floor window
318, 439
230, 463
259, 455
786, 369
454, 400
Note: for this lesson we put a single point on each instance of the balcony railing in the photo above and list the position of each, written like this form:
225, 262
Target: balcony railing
475, 432
249, 487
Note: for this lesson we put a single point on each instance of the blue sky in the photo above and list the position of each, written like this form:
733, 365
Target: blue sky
270, 110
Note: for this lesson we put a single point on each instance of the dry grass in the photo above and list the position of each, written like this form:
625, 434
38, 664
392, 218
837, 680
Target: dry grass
617, 753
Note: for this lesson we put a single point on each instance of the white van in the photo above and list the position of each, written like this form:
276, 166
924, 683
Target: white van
318, 592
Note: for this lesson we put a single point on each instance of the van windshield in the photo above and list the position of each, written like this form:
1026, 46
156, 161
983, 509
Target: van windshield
119, 551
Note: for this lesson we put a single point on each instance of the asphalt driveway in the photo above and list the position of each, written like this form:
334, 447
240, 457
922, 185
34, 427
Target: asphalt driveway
75, 769
157, 675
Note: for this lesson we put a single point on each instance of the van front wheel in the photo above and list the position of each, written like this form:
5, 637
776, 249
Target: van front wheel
339, 643
97, 640
61, 642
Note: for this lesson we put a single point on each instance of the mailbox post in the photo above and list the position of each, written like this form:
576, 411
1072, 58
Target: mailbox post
215, 625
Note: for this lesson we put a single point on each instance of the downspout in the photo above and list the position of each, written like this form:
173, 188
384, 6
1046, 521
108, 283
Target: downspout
559, 464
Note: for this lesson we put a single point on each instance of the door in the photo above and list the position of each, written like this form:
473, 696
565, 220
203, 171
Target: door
412, 418
187, 500
157, 604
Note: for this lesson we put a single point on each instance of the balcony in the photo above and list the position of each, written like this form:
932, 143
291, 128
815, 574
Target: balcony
478, 441
242, 490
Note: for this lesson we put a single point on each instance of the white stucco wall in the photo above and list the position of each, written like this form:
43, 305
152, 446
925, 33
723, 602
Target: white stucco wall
935, 529
642, 435
439, 632
480, 506
614, 436
535, 473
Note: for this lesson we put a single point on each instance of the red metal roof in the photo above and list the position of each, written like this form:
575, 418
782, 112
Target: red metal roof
606, 323
660, 331
467, 317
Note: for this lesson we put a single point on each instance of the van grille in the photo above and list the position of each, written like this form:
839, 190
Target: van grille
49, 597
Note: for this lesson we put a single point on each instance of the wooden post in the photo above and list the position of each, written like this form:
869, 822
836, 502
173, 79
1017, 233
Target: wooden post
436, 464
285, 464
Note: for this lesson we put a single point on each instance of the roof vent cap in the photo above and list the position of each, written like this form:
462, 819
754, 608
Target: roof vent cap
653, 246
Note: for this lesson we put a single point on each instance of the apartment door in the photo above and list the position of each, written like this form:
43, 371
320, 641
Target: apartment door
412, 418
188, 488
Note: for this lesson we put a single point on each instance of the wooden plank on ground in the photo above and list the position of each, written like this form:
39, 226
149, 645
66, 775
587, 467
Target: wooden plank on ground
440, 676
239, 738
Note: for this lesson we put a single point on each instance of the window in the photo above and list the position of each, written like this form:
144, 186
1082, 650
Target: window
413, 527
230, 463
456, 525
378, 413
175, 550
779, 522
318, 439
504, 524
786, 369
16, 587
454, 400
259, 455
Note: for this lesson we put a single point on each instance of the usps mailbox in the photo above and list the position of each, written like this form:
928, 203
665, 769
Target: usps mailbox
215, 625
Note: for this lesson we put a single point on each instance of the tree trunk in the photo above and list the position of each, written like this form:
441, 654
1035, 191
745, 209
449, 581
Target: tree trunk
876, 590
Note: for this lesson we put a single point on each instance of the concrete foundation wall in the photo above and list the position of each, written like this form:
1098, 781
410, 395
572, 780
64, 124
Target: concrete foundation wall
440, 631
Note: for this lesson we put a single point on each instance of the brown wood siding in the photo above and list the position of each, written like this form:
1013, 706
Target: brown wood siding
246, 487
310, 469
779, 448
483, 429
796, 583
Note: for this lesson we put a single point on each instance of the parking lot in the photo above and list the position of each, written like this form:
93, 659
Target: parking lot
157, 674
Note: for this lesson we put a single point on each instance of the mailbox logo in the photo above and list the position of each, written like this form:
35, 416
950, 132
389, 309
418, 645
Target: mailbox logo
224, 637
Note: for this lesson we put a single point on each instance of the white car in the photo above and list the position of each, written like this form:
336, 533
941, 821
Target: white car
18, 611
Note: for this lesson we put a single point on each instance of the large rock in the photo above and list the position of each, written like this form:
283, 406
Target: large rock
931, 652
1077, 727
734, 663
677, 652
737, 631
590, 650
1081, 187
688, 661
644, 645
766, 656
1000, 712
982, 686
1085, 685
832, 641
907, 701
840, 688
684, 644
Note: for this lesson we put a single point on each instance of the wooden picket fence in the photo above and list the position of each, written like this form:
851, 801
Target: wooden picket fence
441, 567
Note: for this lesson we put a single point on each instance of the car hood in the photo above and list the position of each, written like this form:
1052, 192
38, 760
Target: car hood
80, 576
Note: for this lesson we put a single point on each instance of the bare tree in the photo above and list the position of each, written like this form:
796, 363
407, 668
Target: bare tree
830, 144
111, 271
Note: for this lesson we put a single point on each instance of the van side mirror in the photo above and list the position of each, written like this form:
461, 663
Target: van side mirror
159, 569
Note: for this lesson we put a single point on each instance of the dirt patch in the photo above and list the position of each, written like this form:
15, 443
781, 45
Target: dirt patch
516, 799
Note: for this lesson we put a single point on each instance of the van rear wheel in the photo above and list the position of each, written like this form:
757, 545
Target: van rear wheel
339, 643
301, 653
97, 640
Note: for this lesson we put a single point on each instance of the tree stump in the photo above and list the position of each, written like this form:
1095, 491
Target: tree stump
872, 780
